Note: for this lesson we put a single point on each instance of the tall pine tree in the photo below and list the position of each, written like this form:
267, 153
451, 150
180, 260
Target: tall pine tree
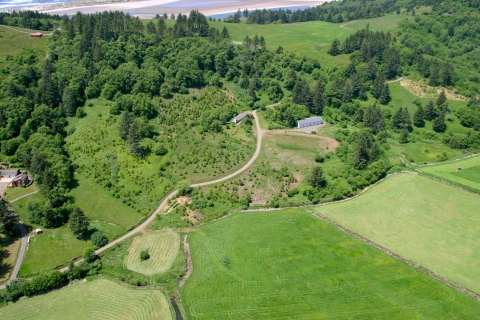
419, 118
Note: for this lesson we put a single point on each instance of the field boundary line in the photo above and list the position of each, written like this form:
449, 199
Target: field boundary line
450, 183
409, 262
432, 164
188, 257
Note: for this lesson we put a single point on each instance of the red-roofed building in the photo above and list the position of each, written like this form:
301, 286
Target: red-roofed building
36, 35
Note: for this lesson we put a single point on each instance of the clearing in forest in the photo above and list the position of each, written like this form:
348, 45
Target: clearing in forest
290, 264
99, 299
428, 222
162, 247
464, 172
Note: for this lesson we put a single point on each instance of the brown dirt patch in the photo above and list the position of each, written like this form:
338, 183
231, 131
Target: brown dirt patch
193, 216
422, 90
182, 200
298, 178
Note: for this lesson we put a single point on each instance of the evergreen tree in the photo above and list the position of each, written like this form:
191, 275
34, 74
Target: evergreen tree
8, 219
418, 118
430, 112
439, 124
374, 119
318, 100
225, 34
348, 92
124, 124
316, 178
371, 69
69, 103
134, 140
335, 48
378, 86
78, 223
366, 150
442, 98
301, 93
385, 95
161, 27
403, 137
291, 79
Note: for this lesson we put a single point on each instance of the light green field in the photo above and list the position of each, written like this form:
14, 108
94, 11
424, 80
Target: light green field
99, 299
100, 206
14, 193
163, 248
290, 264
430, 223
469, 175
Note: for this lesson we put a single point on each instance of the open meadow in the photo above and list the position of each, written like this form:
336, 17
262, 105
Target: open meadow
468, 176
162, 246
98, 299
430, 223
291, 264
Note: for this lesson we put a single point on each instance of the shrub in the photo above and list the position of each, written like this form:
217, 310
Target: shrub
319, 158
99, 239
144, 255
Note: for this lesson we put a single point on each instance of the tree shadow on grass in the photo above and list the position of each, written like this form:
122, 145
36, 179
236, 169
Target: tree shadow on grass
5, 242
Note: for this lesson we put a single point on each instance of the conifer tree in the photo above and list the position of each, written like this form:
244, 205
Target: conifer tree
78, 223
124, 124
291, 79
366, 150
378, 86
335, 48
318, 100
439, 124
403, 136
442, 98
374, 119
385, 95
430, 112
161, 27
134, 140
301, 93
418, 118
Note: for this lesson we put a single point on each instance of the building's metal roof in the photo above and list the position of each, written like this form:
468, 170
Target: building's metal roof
241, 116
310, 120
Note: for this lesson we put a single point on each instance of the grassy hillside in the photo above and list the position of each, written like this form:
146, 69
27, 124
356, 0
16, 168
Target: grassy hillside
292, 264
469, 175
430, 223
98, 299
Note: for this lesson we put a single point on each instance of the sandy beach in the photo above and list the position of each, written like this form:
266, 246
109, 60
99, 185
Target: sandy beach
149, 8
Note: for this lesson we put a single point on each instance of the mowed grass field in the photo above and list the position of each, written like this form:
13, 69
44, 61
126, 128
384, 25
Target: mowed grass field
163, 248
469, 175
291, 264
14, 193
98, 299
428, 222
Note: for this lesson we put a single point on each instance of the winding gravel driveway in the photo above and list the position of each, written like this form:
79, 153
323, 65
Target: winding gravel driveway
172, 194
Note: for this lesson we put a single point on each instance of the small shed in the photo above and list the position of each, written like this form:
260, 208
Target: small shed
20, 180
38, 231
308, 122
36, 35
240, 117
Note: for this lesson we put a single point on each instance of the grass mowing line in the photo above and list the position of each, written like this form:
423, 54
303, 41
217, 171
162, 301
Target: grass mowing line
350, 275
163, 248
420, 233
99, 299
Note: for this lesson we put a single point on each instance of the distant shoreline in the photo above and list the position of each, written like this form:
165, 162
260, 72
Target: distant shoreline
149, 8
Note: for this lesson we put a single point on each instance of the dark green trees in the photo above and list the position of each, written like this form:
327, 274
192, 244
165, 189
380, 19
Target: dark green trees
418, 118
366, 150
124, 124
78, 223
335, 48
439, 124
316, 178
318, 99
430, 112
8, 219
401, 120
373, 119
301, 93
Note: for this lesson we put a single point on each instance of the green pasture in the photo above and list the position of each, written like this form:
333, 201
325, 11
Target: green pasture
14, 193
161, 246
98, 299
53, 248
291, 264
428, 222
469, 175
101, 207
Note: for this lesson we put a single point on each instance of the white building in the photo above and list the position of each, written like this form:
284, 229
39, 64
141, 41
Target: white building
308, 122
240, 117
